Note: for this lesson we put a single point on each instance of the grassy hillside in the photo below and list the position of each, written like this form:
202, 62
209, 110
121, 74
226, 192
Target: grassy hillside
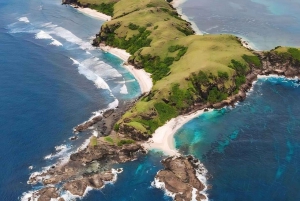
187, 69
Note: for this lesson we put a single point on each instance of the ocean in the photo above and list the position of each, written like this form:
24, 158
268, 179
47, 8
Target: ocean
52, 79
264, 23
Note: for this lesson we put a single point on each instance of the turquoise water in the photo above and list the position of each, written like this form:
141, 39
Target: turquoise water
251, 151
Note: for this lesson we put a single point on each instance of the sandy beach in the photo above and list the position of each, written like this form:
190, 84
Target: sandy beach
163, 138
144, 79
93, 13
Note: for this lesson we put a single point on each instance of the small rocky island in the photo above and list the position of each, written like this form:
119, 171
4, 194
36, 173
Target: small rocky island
181, 178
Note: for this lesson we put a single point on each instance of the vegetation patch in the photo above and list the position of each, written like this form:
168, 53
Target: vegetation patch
106, 8
125, 141
109, 139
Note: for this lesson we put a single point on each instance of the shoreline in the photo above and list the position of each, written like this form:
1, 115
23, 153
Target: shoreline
142, 77
163, 137
176, 4
92, 13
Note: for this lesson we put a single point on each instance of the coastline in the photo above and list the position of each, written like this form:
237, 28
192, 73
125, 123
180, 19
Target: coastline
144, 79
92, 13
163, 138
176, 4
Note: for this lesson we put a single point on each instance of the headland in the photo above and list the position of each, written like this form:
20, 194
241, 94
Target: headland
190, 73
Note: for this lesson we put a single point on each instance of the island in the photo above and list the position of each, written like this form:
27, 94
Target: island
190, 74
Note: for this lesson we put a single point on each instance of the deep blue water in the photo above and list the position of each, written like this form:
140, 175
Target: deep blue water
252, 151
44, 93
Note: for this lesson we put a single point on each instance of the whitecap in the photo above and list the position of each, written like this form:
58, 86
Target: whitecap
24, 19
123, 89
43, 35
68, 36
56, 43
113, 104
48, 157
90, 75
60, 147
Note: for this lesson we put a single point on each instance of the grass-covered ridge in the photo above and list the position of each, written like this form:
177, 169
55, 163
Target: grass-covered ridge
187, 69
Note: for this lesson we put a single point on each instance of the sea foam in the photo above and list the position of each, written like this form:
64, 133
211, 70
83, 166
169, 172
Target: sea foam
43, 35
24, 19
90, 75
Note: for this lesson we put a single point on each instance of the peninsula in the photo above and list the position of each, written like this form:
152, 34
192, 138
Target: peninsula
190, 73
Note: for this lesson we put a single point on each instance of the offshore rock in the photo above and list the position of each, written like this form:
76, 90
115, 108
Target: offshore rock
180, 178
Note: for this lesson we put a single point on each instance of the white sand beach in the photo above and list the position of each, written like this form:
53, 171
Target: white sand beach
163, 138
93, 13
143, 78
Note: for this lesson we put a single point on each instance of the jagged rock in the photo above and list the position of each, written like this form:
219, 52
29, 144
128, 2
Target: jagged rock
46, 194
180, 177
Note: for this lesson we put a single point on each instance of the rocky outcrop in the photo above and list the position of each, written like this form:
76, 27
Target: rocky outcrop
180, 178
79, 186
91, 159
87, 124
45, 194
87, 167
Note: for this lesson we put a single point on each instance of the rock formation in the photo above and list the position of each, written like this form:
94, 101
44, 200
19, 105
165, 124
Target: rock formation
181, 178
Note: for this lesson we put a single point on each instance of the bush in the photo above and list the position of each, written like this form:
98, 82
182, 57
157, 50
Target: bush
295, 53
223, 75
180, 98
133, 26
109, 139
107, 9
241, 69
216, 95
239, 80
116, 127
165, 111
123, 142
253, 60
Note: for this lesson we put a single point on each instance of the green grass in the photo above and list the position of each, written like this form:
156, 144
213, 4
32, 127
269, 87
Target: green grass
109, 139
185, 68
125, 141
106, 8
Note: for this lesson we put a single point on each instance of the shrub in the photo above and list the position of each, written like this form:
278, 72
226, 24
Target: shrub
107, 9
223, 75
123, 142
295, 53
252, 60
216, 95
116, 127
109, 139
133, 26
165, 111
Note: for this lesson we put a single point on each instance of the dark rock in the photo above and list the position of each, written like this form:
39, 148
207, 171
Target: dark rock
180, 177
107, 113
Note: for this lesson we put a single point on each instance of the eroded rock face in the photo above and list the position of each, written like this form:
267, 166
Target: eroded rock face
87, 167
180, 178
